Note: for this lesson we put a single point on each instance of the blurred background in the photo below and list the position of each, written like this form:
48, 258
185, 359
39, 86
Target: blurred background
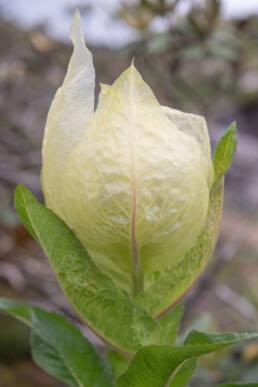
198, 56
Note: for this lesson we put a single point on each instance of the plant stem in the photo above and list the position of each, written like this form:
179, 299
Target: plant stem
137, 277
137, 272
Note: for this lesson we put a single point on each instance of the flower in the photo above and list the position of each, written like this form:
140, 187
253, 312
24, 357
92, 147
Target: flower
132, 178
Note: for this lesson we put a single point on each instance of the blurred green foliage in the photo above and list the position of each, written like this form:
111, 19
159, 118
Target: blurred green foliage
201, 59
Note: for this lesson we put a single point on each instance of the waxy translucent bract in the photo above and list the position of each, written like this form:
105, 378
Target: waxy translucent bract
131, 179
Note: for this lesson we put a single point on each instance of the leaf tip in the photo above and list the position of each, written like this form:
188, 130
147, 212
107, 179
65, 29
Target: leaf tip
225, 151
17, 193
233, 131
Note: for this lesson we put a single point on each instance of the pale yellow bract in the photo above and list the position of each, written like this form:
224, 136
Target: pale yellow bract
131, 179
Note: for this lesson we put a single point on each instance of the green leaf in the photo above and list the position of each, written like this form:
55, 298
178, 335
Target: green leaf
46, 357
239, 385
93, 295
225, 150
118, 362
200, 324
17, 309
178, 279
184, 375
60, 349
152, 366
72, 353
169, 325
197, 338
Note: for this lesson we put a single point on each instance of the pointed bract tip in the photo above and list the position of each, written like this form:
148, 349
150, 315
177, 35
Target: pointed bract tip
75, 26
76, 17
133, 70
77, 13
132, 66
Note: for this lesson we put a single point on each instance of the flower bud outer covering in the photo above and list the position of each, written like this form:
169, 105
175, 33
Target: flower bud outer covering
68, 116
132, 179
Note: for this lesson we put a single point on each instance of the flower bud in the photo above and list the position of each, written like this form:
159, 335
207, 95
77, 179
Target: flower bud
131, 179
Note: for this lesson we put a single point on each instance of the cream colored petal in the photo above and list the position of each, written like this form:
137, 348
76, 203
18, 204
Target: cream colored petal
196, 126
68, 117
99, 182
135, 174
